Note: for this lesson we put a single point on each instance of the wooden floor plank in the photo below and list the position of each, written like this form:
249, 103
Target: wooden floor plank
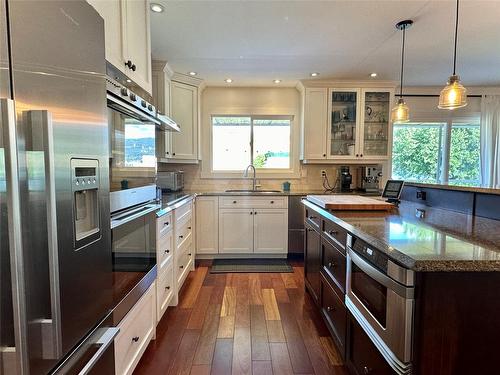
288, 280
200, 370
206, 343
280, 359
223, 357
226, 327
193, 288
275, 331
242, 313
298, 353
266, 281
242, 351
228, 301
184, 357
200, 308
279, 289
270, 304
255, 289
262, 368
258, 329
331, 351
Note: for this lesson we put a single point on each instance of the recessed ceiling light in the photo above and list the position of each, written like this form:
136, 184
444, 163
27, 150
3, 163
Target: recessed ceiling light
373, 75
129, 80
192, 73
314, 74
157, 8
277, 81
228, 80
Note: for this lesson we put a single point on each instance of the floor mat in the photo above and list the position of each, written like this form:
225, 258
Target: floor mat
250, 265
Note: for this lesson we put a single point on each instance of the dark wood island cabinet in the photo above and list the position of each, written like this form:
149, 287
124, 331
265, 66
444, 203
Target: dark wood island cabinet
454, 271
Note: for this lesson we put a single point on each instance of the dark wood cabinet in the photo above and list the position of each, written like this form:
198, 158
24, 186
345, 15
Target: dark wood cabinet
335, 234
334, 265
312, 261
334, 313
362, 357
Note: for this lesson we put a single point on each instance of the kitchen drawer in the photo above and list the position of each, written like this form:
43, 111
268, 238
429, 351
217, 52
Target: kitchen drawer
183, 233
362, 357
165, 249
253, 202
165, 290
183, 212
335, 314
184, 262
313, 218
335, 233
136, 331
164, 224
334, 265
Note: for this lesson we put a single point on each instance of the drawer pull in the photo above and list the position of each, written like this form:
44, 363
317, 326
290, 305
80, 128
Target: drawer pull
181, 236
166, 223
272, 202
331, 264
181, 267
330, 309
189, 228
333, 232
167, 251
312, 217
135, 338
251, 213
255, 213
235, 202
167, 288
189, 254
367, 370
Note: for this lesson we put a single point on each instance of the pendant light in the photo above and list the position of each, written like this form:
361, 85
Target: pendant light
454, 95
401, 113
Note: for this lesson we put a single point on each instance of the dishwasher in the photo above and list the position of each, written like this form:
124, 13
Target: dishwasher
295, 226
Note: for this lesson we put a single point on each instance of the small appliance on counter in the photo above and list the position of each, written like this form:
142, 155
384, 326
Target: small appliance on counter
368, 178
345, 179
170, 181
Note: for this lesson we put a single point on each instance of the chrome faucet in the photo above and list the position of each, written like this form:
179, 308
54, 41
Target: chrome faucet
254, 185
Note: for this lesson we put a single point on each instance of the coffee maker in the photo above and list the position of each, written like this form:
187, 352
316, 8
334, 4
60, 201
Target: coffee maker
368, 178
345, 179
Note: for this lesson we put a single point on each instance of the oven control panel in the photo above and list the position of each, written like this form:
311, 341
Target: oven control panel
368, 252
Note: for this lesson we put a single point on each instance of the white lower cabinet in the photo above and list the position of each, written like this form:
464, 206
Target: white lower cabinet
136, 331
253, 224
165, 290
236, 230
207, 225
270, 231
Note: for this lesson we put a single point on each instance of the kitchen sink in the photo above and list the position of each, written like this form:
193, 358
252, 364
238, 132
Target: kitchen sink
250, 191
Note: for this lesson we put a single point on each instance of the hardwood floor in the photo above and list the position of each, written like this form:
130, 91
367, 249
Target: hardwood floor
242, 324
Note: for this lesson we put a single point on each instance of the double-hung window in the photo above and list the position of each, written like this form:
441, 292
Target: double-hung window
238, 141
437, 152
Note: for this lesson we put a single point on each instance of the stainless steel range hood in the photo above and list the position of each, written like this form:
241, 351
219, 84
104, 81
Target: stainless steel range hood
167, 124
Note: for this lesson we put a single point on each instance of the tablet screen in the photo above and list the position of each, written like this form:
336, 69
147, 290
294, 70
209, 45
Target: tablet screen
393, 189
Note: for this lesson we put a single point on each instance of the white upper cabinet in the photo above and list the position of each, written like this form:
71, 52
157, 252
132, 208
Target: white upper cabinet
128, 37
348, 123
184, 111
161, 99
315, 123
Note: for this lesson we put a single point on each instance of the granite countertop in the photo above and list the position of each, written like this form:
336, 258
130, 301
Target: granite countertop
172, 201
441, 241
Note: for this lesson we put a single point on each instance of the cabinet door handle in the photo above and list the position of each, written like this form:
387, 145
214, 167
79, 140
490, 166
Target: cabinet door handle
181, 267
312, 217
357, 155
166, 223
255, 213
167, 251
251, 213
168, 153
173, 153
272, 202
181, 236
361, 155
189, 254
333, 232
331, 264
324, 155
133, 68
135, 338
330, 309
189, 228
167, 288
129, 64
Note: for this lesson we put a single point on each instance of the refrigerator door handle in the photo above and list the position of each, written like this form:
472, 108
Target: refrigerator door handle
104, 342
41, 138
8, 135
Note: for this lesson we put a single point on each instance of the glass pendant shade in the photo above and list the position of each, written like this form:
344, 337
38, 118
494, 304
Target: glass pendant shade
454, 95
400, 113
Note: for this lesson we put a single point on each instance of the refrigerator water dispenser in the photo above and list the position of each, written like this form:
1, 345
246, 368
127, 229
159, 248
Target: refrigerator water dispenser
85, 186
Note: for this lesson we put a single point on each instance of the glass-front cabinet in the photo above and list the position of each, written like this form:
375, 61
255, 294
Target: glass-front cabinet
359, 123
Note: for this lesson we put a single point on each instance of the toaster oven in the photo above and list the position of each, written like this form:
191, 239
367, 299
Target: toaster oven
170, 181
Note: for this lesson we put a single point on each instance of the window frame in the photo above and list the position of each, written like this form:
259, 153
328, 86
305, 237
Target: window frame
443, 167
292, 172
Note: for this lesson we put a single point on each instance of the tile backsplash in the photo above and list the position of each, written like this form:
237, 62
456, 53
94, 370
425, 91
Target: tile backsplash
311, 179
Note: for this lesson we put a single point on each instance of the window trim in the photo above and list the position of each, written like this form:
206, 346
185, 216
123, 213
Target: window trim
443, 167
291, 173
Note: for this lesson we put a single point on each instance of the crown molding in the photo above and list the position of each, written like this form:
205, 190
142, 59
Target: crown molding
187, 79
162, 66
347, 83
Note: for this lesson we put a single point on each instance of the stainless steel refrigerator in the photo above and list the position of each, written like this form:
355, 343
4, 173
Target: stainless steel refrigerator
55, 252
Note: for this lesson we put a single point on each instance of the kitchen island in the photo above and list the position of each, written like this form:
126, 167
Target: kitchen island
406, 294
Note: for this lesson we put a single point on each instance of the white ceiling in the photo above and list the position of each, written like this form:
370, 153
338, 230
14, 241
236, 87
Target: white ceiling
254, 42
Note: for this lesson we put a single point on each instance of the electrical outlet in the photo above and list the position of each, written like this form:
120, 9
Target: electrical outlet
323, 173
421, 195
